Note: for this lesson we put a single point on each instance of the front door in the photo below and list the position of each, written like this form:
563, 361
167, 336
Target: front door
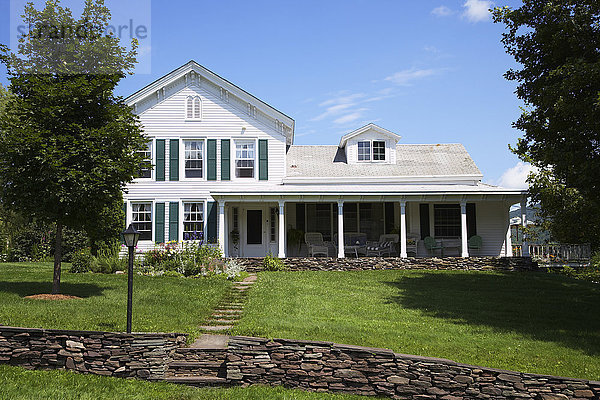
253, 240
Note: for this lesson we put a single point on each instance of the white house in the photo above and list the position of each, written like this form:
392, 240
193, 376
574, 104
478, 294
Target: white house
225, 164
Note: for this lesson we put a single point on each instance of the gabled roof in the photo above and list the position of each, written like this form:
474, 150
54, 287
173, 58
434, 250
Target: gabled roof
414, 162
193, 66
368, 127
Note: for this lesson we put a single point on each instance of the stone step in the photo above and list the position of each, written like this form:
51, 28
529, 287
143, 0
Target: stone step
222, 321
228, 311
212, 342
216, 328
196, 380
195, 364
225, 316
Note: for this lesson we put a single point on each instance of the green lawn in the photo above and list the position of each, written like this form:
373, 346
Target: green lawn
19, 384
160, 304
531, 322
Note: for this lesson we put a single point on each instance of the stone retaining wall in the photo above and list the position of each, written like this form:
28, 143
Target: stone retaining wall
138, 355
325, 366
366, 263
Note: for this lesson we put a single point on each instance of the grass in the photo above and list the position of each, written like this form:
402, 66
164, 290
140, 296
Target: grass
160, 304
18, 383
530, 322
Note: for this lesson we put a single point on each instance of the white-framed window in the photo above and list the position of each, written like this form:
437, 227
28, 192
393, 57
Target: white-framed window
193, 107
378, 150
371, 150
141, 219
193, 221
244, 159
364, 151
147, 154
193, 158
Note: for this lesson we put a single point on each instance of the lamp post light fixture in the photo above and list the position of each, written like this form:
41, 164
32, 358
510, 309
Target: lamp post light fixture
131, 236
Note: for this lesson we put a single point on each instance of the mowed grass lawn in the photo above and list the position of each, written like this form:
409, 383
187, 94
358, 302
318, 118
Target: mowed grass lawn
530, 322
19, 384
160, 304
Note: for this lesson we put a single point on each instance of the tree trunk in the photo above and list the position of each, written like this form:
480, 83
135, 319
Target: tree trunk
57, 258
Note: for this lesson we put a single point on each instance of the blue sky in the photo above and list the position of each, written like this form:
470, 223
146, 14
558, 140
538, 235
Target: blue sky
430, 71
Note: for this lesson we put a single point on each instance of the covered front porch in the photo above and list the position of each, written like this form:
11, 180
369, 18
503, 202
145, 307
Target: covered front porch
255, 225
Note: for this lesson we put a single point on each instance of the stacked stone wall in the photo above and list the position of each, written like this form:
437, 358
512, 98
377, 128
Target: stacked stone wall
370, 263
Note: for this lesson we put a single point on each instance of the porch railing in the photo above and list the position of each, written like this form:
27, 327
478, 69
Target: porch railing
556, 252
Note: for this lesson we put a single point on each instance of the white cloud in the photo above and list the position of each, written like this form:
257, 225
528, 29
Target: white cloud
477, 10
515, 177
350, 117
442, 11
408, 76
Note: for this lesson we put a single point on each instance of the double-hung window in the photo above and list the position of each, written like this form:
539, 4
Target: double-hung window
193, 221
193, 158
371, 150
378, 150
141, 219
244, 159
446, 218
364, 151
147, 154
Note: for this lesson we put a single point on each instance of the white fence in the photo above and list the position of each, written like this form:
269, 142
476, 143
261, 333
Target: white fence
556, 252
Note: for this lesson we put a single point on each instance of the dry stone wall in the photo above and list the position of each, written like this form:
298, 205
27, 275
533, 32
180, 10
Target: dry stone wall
138, 355
368, 263
325, 366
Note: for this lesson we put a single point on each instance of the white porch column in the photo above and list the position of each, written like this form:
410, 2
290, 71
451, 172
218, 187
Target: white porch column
222, 227
341, 229
508, 242
463, 229
525, 246
403, 229
281, 253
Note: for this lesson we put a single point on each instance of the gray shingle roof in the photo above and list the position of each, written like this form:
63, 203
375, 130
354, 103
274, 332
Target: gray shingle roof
411, 160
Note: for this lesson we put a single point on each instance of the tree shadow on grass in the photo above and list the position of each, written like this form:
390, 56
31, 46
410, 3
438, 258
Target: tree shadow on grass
30, 288
542, 306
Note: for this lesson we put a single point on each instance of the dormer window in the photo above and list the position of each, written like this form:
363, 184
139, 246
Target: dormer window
193, 107
371, 150
378, 150
364, 151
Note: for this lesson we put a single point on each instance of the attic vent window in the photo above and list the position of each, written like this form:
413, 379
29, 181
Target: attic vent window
193, 107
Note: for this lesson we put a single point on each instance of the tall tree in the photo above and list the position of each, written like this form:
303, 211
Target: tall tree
68, 145
557, 42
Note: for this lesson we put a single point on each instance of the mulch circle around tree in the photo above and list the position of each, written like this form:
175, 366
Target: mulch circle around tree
48, 296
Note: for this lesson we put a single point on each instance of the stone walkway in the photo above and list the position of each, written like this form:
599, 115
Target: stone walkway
204, 362
229, 310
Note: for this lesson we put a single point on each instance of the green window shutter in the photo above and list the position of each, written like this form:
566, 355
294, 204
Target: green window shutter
424, 220
160, 159
159, 222
225, 159
211, 222
124, 222
211, 159
471, 220
263, 160
174, 160
173, 221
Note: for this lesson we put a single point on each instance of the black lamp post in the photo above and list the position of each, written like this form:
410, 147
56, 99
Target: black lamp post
131, 236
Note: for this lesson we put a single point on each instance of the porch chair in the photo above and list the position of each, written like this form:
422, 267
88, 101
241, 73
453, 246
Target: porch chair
432, 245
315, 244
475, 243
385, 245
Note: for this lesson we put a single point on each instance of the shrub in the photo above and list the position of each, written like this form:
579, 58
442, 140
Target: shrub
108, 263
233, 269
82, 261
271, 263
187, 258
